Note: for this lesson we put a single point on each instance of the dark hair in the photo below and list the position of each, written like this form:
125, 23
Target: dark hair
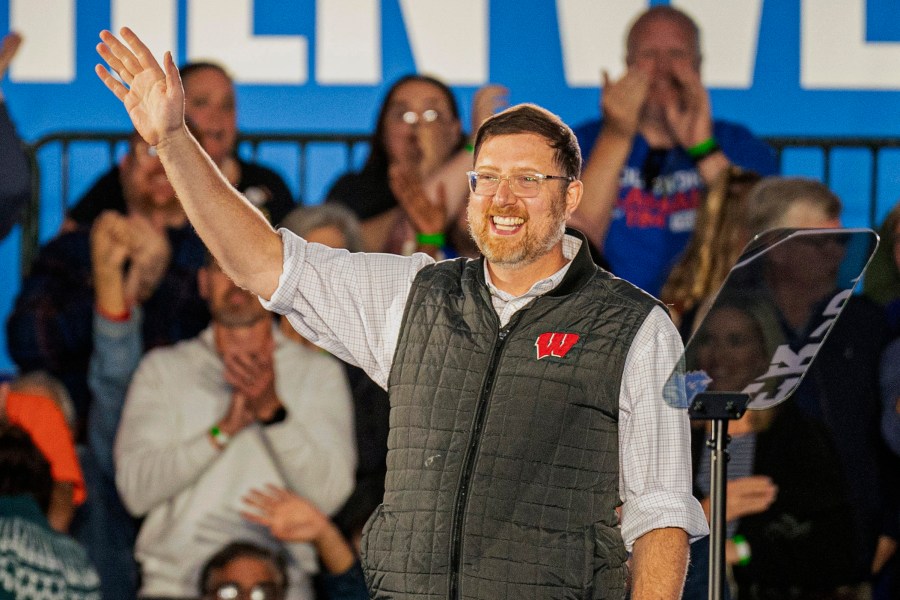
23, 469
190, 68
378, 157
530, 118
242, 549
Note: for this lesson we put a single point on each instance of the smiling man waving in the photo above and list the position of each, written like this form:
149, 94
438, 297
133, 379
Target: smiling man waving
526, 386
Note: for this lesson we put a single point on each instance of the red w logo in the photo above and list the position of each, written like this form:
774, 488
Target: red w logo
555, 344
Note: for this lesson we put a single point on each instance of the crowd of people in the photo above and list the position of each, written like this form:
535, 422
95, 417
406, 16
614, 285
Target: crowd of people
226, 394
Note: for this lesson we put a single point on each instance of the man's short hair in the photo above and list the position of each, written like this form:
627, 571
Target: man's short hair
530, 118
770, 200
190, 68
662, 13
305, 219
23, 469
243, 549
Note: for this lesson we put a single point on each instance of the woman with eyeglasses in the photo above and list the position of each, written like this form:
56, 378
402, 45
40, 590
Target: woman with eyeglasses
411, 191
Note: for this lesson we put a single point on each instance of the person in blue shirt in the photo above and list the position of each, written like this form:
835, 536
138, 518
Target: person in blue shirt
655, 151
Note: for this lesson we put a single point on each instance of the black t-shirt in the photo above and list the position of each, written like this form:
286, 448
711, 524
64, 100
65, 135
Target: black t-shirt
262, 186
367, 193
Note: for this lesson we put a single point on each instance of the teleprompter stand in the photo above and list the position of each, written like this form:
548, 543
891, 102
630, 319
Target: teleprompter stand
718, 408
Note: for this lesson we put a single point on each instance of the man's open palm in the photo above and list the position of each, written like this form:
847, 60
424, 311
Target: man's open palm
153, 98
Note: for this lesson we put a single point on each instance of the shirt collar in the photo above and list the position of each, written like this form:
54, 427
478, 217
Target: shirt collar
570, 247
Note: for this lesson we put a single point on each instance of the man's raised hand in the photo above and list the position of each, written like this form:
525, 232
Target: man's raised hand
153, 98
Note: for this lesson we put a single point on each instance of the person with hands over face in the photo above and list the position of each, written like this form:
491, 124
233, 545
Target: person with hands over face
212, 417
413, 177
526, 386
655, 150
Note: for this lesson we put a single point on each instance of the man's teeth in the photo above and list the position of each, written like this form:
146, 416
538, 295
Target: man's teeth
507, 222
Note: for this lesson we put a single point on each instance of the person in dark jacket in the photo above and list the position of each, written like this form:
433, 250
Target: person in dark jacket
15, 174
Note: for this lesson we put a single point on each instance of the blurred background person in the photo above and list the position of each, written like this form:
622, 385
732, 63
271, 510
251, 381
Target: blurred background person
411, 192
882, 281
244, 570
211, 109
655, 149
841, 388
40, 404
15, 172
50, 327
786, 501
292, 518
207, 420
336, 227
38, 561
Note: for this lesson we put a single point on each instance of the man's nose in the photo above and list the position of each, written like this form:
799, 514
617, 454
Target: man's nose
504, 195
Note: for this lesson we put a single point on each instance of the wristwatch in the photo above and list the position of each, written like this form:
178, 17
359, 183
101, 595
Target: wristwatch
277, 417
219, 437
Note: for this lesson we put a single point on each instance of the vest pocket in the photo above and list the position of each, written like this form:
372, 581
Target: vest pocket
367, 544
609, 556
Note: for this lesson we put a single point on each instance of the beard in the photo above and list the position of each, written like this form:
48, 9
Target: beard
536, 238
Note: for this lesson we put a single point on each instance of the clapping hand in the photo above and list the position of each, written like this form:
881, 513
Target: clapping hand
623, 100
150, 257
8, 49
487, 101
252, 374
749, 496
690, 116
407, 186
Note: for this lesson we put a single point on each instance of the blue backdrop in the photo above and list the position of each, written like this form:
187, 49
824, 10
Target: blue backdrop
783, 68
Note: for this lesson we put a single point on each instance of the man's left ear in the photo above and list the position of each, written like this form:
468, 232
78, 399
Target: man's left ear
573, 196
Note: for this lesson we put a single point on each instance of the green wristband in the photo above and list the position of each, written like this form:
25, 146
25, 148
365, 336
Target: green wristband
219, 436
469, 148
743, 549
431, 239
703, 149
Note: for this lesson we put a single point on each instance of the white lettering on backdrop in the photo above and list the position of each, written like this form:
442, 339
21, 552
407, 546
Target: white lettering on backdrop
348, 50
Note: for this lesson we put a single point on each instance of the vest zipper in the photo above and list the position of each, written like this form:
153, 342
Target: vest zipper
462, 495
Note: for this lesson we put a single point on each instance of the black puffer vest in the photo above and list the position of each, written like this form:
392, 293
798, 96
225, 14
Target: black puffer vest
503, 464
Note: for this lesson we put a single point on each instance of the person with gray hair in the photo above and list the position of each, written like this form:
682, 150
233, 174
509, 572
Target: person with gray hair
326, 220
336, 226
792, 202
841, 388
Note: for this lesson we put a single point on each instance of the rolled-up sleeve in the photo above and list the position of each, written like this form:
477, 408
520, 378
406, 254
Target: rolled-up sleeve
654, 439
350, 304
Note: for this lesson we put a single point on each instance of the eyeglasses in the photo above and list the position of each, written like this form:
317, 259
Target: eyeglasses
527, 185
412, 117
232, 591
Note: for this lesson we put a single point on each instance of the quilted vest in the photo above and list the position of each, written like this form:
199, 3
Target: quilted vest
503, 464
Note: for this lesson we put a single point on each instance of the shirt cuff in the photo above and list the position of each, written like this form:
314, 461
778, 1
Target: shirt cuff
294, 248
658, 510
116, 330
